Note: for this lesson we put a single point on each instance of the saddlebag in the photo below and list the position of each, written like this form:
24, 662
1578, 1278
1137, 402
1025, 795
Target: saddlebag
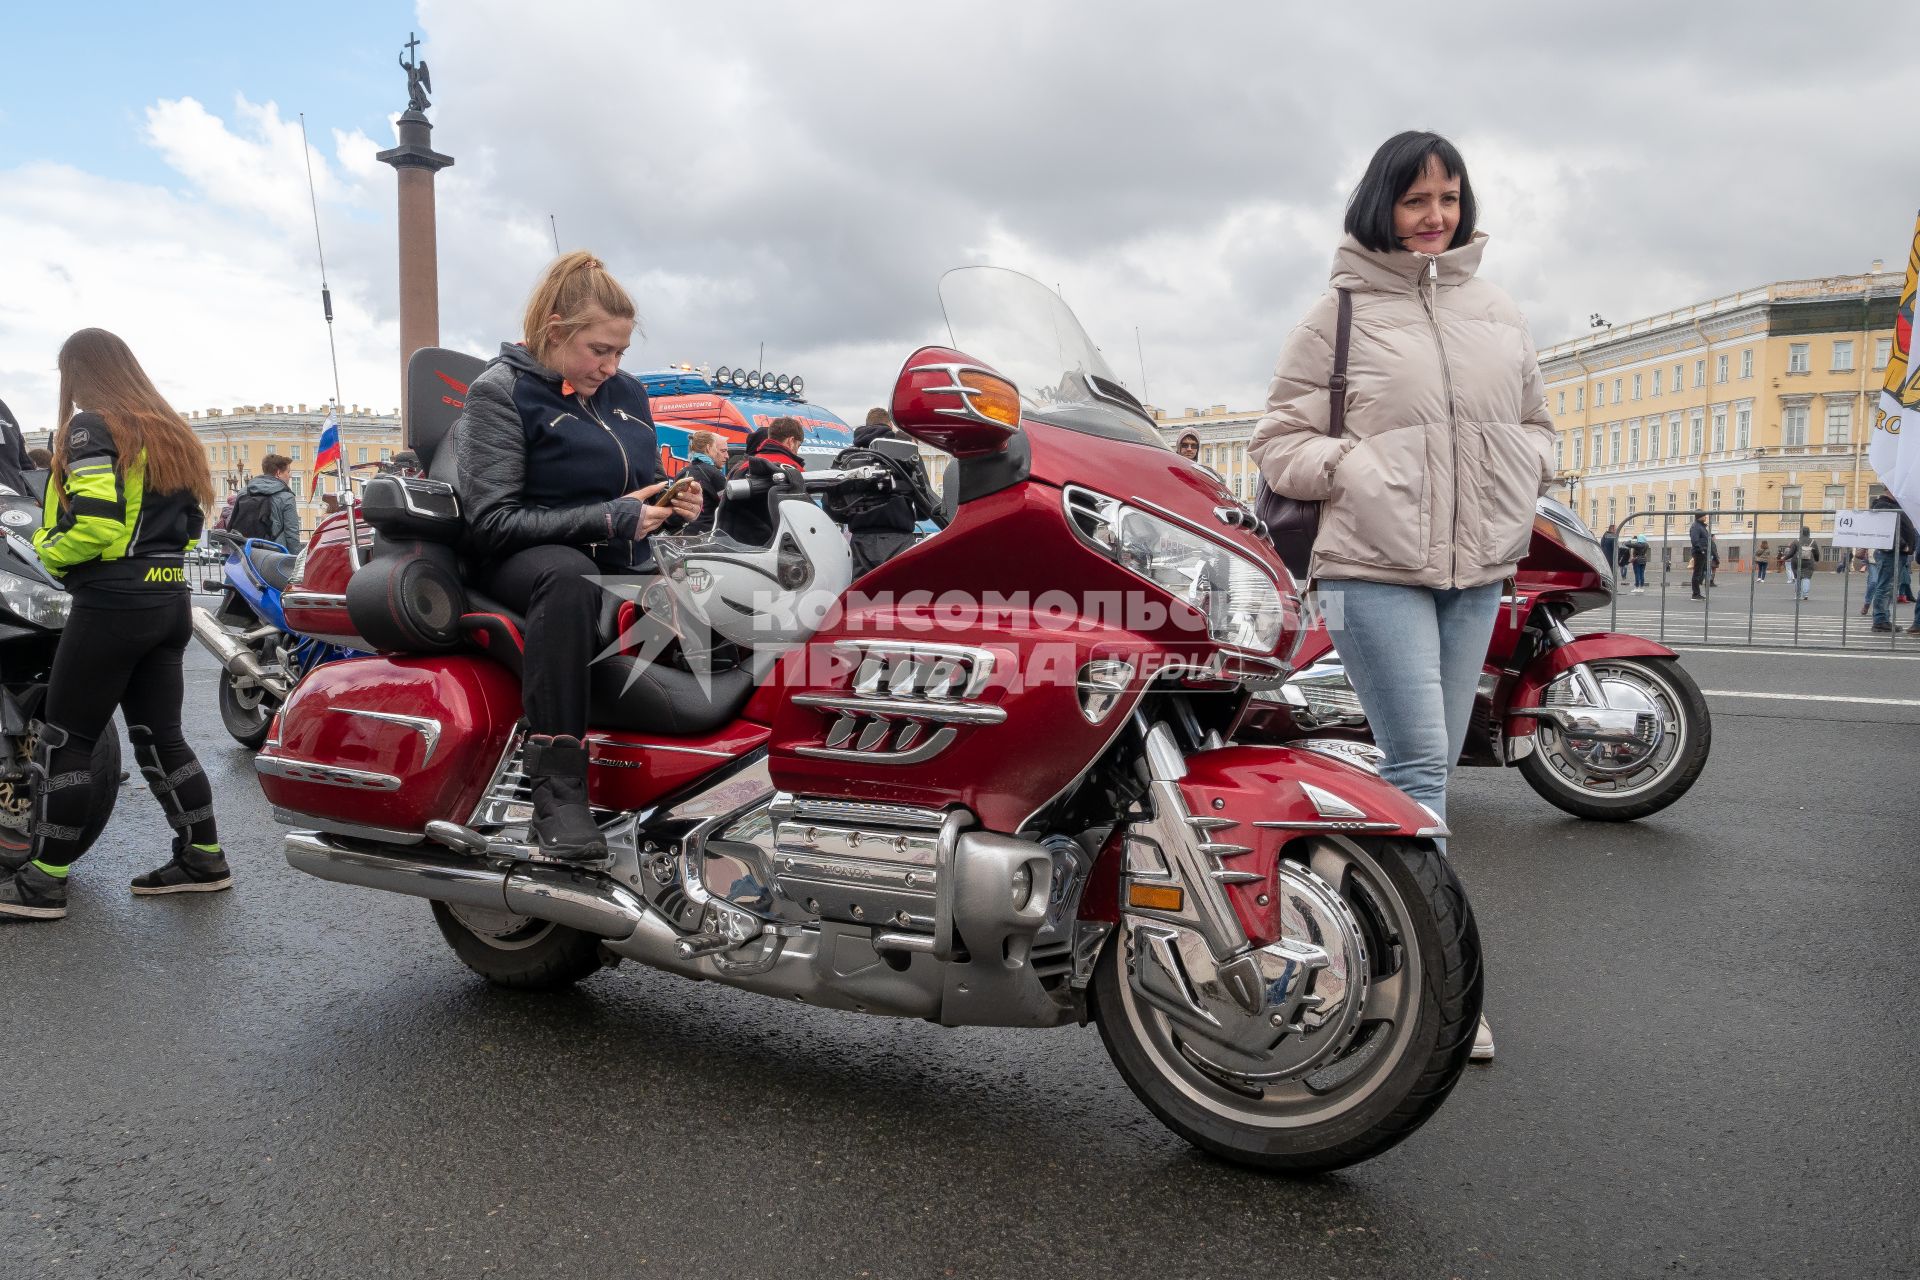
380, 746
412, 508
315, 601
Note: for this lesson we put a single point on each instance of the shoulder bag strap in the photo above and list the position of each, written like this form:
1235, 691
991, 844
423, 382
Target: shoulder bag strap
1337, 385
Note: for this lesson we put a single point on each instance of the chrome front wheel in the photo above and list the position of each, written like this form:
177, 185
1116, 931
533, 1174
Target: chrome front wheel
1621, 781
1363, 1053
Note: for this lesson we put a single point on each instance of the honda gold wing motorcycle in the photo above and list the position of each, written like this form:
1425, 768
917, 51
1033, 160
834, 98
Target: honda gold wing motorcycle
990, 786
1604, 725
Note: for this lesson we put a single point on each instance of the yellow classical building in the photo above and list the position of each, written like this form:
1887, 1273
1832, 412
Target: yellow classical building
1759, 401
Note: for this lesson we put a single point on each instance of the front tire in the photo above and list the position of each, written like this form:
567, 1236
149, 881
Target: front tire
1423, 1005
518, 952
1594, 780
247, 714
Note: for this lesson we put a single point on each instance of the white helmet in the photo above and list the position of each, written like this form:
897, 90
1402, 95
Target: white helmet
779, 594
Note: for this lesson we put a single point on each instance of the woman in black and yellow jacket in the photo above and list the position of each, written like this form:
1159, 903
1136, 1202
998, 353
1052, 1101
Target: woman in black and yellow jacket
123, 504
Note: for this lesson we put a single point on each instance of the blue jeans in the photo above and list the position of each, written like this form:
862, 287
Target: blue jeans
1414, 656
1639, 573
1880, 588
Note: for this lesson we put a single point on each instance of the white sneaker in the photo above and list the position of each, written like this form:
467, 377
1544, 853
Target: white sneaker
1482, 1043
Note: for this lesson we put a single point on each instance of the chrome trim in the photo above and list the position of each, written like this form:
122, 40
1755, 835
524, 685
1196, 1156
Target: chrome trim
325, 775
927, 750
855, 811
1329, 824
982, 660
1363, 756
955, 387
905, 708
1102, 683
312, 599
426, 726
603, 740
1602, 724
355, 830
1329, 805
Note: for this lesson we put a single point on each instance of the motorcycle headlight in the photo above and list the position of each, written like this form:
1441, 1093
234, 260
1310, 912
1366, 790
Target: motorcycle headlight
38, 603
1241, 603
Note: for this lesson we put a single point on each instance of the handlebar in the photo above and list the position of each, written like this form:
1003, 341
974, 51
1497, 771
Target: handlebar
747, 487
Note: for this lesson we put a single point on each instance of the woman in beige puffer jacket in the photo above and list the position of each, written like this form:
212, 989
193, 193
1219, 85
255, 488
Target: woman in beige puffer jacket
1429, 493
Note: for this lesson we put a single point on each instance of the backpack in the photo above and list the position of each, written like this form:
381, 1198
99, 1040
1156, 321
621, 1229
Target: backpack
252, 516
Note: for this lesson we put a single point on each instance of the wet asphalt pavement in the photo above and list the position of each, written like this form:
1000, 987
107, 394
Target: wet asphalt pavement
1707, 1067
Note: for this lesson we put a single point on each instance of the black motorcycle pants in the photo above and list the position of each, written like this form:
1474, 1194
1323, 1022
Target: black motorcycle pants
126, 654
555, 587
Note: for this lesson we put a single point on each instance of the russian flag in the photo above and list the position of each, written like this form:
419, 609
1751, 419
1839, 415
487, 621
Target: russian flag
328, 454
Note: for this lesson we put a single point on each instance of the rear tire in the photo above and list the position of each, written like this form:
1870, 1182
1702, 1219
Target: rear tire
517, 952
1557, 776
1434, 922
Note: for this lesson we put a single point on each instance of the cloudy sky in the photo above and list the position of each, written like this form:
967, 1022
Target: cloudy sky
800, 175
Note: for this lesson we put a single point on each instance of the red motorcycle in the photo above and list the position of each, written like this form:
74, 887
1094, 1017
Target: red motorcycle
1603, 725
991, 786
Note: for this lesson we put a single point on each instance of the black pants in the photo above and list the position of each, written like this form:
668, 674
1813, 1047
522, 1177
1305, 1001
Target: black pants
874, 547
554, 587
1699, 573
124, 655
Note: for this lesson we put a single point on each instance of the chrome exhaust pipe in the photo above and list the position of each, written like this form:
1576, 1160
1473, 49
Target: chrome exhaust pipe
233, 655
582, 900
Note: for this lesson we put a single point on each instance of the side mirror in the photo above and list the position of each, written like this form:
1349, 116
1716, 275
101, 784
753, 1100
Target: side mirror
955, 403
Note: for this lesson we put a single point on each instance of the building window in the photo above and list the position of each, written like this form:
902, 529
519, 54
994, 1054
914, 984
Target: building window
1616, 389
1789, 497
1613, 446
1633, 442
1559, 453
386, 455
1593, 513
1599, 445
1793, 426
1673, 432
1656, 382
1678, 381
1699, 373
1739, 500
1653, 438
363, 455
1835, 499
1698, 424
1633, 504
1719, 430
1720, 368
1746, 363
1579, 441
1636, 386
1839, 423
1580, 397
1843, 356
1693, 500
1613, 511
1713, 499
1742, 427
1798, 361
1673, 499
1560, 403
1882, 352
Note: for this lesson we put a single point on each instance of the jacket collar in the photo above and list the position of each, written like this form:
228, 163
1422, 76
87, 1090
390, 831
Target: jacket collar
782, 450
1357, 267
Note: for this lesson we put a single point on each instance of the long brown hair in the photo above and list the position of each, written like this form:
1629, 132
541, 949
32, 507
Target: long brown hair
98, 373
579, 289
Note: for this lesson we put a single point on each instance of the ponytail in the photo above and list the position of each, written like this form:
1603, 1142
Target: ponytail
578, 288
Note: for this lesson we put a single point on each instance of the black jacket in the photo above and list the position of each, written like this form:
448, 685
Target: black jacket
1908, 541
538, 467
751, 522
896, 514
105, 531
14, 463
713, 487
1700, 540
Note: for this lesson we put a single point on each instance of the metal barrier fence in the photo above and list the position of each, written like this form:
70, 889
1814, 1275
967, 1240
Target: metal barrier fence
1806, 621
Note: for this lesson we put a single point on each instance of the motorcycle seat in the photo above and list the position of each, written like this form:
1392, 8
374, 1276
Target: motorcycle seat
624, 692
273, 566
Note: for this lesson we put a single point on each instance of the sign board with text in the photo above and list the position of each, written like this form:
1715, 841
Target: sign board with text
1874, 530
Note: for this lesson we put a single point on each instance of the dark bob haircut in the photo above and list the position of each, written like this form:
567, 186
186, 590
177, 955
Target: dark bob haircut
1400, 160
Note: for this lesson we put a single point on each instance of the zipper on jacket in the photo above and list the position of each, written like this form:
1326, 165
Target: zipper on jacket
1431, 300
625, 462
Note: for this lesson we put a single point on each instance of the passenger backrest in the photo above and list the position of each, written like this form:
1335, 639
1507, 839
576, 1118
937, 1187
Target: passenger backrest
437, 382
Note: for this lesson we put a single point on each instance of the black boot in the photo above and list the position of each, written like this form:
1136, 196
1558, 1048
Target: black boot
562, 826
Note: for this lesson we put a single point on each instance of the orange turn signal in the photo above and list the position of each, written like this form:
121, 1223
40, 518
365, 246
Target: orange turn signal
1155, 897
993, 397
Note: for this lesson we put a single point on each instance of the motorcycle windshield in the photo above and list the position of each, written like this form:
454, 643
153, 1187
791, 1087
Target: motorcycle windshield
1024, 330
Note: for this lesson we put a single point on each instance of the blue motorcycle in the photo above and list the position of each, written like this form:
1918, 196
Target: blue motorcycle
261, 659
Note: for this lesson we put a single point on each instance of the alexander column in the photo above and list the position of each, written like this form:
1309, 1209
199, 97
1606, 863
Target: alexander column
416, 162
